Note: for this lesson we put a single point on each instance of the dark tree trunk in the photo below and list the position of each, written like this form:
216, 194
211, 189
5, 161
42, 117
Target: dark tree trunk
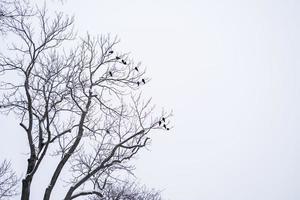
47, 193
69, 194
26, 182
25, 189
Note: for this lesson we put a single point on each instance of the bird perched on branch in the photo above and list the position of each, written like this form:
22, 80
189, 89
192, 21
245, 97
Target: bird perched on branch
137, 69
124, 62
118, 58
164, 119
111, 52
165, 126
159, 123
110, 73
138, 83
143, 80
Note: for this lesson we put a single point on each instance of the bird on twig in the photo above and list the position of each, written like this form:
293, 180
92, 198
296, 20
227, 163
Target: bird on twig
107, 131
124, 62
110, 73
118, 58
165, 126
164, 119
143, 80
137, 69
138, 83
111, 52
168, 129
159, 123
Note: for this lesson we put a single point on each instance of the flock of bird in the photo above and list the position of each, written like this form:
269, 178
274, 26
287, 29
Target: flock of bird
160, 122
163, 120
125, 63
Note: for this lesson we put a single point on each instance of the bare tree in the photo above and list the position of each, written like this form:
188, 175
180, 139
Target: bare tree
81, 105
8, 181
128, 191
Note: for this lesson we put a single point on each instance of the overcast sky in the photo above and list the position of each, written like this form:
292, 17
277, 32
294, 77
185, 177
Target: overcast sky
230, 72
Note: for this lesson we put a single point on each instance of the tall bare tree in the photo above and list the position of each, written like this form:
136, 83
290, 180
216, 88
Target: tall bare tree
82, 105
8, 181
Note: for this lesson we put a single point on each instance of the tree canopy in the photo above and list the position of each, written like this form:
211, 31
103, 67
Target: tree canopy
77, 99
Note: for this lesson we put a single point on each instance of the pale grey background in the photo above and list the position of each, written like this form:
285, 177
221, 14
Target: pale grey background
229, 70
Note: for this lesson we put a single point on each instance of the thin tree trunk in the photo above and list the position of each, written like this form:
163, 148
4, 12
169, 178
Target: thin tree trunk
25, 189
69, 194
26, 182
62, 163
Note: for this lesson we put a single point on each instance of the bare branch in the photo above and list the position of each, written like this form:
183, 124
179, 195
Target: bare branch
8, 181
82, 103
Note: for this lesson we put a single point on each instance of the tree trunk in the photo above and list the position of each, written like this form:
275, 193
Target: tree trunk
25, 189
69, 194
70, 152
47, 193
26, 182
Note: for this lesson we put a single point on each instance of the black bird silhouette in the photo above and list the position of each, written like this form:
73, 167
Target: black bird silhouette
111, 52
159, 123
110, 73
107, 131
136, 69
165, 126
138, 83
118, 58
143, 80
124, 62
164, 119
168, 129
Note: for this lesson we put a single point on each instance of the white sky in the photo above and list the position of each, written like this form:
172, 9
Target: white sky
229, 70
